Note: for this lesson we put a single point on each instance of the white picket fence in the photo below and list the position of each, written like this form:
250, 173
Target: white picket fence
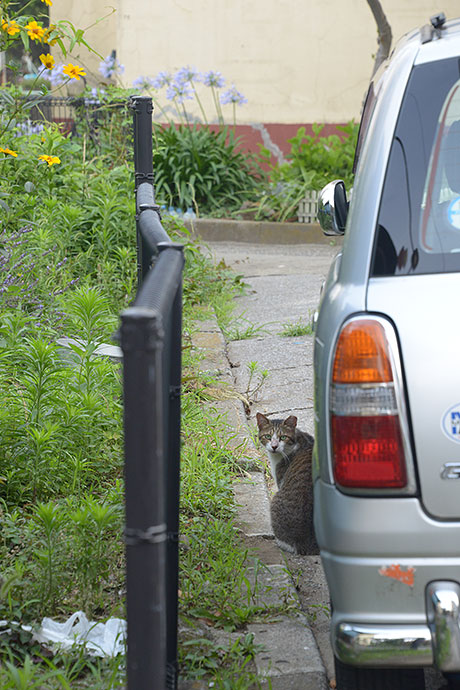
308, 207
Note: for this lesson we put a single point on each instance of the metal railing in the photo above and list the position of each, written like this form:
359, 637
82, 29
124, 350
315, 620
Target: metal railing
151, 343
70, 113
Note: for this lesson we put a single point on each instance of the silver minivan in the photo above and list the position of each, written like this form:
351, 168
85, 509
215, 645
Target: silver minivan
387, 379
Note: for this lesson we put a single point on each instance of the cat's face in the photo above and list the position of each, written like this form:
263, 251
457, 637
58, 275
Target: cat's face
277, 435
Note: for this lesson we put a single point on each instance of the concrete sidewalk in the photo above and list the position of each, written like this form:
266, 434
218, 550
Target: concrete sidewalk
284, 284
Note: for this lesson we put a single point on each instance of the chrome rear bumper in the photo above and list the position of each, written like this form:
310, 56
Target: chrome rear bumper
443, 608
437, 643
383, 645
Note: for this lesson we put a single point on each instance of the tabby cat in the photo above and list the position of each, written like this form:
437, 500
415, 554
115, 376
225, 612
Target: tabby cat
289, 451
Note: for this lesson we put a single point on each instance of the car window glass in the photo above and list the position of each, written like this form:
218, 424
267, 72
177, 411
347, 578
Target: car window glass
405, 230
395, 215
440, 221
368, 109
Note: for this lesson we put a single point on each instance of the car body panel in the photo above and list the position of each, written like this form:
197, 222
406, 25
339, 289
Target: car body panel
424, 311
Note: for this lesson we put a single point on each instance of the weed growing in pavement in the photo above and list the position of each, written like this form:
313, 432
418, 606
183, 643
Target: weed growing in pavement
291, 330
315, 610
235, 328
257, 378
242, 329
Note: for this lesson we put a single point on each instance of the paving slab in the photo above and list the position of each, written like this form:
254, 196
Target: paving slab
291, 659
271, 352
251, 497
281, 383
294, 299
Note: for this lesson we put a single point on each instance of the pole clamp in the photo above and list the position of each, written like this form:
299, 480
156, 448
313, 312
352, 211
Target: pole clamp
174, 392
152, 535
149, 207
143, 177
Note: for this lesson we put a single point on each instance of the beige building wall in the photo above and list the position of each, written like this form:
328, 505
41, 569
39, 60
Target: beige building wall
296, 61
101, 35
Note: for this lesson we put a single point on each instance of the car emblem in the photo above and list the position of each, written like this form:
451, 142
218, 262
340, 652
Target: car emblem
450, 470
451, 423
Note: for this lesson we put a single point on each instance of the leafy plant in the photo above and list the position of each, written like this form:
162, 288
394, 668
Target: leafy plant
92, 523
201, 168
256, 379
280, 200
315, 159
49, 519
296, 328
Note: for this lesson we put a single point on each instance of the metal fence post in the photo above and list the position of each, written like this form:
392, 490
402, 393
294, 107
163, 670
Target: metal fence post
151, 335
172, 435
142, 108
145, 532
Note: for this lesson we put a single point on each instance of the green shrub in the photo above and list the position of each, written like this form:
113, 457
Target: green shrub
321, 158
197, 167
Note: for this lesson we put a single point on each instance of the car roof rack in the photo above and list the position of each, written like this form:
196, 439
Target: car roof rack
434, 28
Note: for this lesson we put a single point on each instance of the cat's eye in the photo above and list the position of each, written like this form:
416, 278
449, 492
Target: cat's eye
284, 437
266, 437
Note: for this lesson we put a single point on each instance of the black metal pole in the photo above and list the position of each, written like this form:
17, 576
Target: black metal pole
145, 532
142, 108
172, 470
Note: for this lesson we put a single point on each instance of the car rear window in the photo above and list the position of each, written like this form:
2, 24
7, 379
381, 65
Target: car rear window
418, 227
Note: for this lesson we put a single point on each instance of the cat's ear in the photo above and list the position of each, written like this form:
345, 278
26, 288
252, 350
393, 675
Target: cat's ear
261, 419
291, 421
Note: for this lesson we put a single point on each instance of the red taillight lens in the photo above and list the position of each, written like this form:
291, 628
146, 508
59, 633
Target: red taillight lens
368, 452
367, 444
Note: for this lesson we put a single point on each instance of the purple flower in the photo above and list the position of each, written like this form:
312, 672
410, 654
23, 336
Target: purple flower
27, 128
179, 92
162, 79
187, 75
94, 96
110, 67
55, 76
213, 78
143, 83
232, 95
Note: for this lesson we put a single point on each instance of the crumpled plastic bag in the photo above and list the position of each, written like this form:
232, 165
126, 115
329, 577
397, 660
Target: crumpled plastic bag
99, 639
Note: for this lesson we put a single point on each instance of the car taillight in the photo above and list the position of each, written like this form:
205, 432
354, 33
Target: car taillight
367, 443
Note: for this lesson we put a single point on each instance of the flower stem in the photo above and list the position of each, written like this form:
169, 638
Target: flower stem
198, 99
162, 111
220, 116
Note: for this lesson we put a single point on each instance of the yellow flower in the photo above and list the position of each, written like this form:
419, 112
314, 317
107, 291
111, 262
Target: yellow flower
47, 2
47, 60
35, 31
51, 160
9, 152
73, 71
11, 27
47, 34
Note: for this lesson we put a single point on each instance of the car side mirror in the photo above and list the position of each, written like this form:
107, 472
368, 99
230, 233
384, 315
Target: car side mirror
333, 208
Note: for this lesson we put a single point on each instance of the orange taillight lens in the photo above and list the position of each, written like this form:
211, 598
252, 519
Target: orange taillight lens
362, 354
